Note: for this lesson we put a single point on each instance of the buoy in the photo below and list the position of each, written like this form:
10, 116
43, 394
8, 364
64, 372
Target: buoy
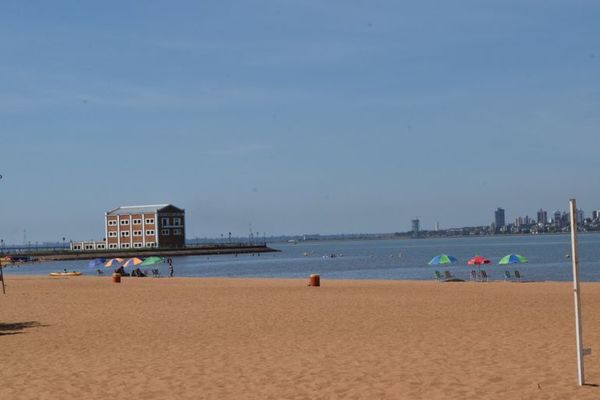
315, 280
116, 277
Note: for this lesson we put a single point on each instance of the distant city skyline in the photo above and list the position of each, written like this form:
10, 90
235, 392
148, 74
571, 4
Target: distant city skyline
295, 117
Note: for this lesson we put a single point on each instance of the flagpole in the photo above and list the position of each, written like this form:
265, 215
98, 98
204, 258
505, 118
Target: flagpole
577, 293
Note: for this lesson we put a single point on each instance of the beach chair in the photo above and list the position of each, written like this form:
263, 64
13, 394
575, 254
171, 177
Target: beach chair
507, 276
484, 276
473, 275
156, 273
438, 276
448, 275
518, 275
100, 272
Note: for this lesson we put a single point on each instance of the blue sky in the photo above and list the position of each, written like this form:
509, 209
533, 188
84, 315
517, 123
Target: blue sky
296, 116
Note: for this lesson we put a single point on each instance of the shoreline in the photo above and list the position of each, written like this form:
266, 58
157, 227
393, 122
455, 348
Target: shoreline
324, 279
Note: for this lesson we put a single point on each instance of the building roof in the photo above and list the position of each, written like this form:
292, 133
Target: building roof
124, 210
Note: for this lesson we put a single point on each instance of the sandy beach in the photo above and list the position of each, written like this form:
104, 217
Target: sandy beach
193, 338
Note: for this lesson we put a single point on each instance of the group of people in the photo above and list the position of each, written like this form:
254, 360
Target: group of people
139, 273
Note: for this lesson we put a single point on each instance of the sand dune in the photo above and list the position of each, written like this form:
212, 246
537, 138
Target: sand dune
190, 338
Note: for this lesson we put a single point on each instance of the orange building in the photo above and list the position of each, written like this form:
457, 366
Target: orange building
160, 225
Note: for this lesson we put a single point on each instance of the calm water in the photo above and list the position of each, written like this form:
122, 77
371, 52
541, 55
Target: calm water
382, 259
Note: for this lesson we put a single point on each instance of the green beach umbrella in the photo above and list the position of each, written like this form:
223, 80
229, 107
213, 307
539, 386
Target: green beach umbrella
512, 259
153, 260
442, 259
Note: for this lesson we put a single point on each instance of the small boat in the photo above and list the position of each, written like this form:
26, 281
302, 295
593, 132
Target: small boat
72, 273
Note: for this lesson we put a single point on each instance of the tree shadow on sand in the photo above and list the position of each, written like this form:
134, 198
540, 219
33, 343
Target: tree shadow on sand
15, 328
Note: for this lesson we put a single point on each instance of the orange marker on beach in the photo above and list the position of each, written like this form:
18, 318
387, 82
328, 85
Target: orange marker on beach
315, 280
116, 277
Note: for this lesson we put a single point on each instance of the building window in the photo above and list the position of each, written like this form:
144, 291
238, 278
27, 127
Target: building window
176, 221
112, 234
125, 245
137, 244
77, 247
150, 232
89, 247
112, 222
137, 222
125, 234
100, 246
124, 222
151, 244
149, 221
164, 221
165, 232
112, 246
137, 233
177, 231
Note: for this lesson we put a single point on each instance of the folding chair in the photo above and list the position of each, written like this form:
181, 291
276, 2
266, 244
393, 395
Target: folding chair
484, 276
518, 275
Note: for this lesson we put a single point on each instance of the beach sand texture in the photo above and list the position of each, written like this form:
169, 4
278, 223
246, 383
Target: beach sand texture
192, 338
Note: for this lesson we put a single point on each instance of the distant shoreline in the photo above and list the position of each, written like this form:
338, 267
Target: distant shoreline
403, 238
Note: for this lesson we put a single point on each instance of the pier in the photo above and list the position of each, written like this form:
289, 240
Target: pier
57, 254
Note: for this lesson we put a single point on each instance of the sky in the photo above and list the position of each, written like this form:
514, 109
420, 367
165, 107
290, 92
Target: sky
295, 116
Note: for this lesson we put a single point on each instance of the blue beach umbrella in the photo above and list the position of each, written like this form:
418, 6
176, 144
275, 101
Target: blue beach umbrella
442, 259
96, 263
513, 259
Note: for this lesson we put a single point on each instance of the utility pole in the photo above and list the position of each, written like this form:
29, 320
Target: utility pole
1, 266
581, 351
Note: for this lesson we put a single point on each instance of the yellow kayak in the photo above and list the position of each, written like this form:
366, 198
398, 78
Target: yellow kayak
74, 273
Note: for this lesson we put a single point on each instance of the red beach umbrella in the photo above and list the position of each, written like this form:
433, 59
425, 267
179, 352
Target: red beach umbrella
478, 260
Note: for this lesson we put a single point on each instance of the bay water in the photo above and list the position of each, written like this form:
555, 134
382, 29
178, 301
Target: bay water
380, 259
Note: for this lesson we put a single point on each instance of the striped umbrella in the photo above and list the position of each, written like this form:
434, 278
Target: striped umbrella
513, 259
113, 262
442, 259
132, 262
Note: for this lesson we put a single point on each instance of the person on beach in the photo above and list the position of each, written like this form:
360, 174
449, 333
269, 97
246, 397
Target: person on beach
171, 269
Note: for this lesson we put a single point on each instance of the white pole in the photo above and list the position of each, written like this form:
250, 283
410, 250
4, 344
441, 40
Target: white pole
577, 292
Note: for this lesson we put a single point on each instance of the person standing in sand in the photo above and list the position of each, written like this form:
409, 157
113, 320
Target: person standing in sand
171, 269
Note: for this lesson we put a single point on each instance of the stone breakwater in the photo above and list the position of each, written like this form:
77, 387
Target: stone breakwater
187, 251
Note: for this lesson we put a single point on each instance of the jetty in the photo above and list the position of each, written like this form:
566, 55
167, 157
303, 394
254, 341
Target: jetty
54, 254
